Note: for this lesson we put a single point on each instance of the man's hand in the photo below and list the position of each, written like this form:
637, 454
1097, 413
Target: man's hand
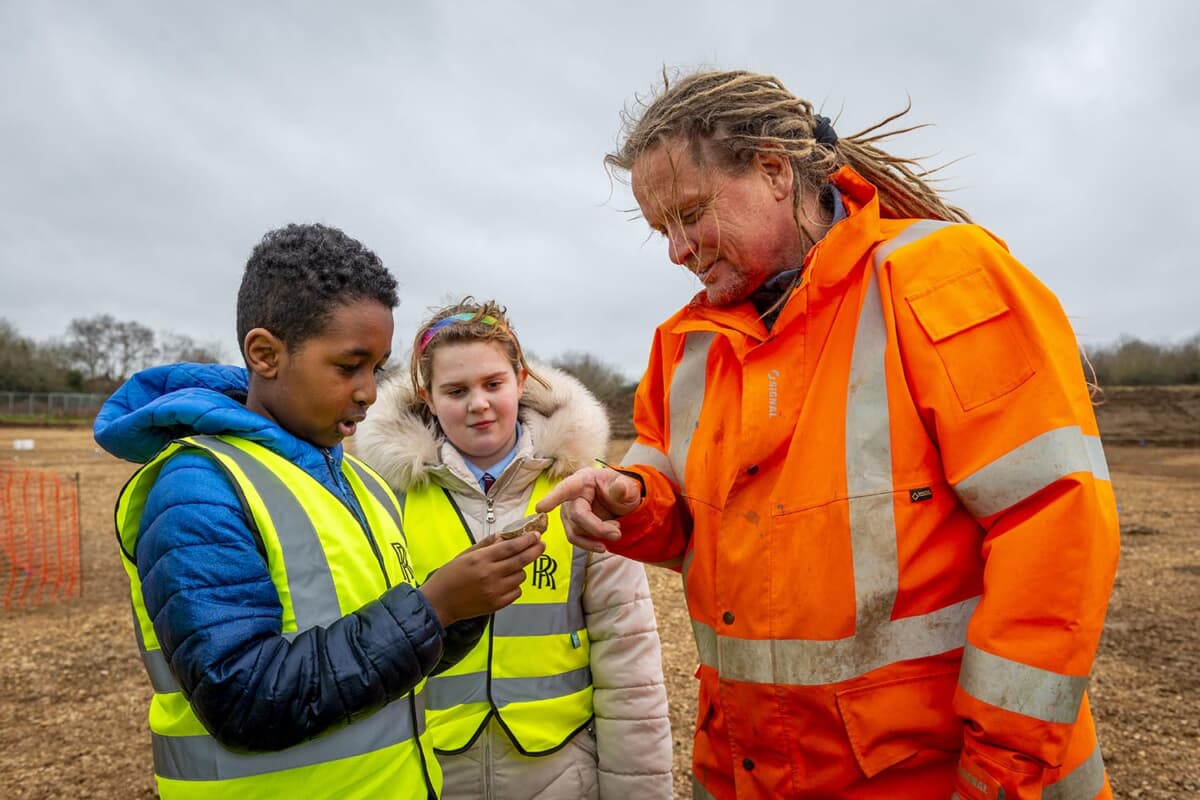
592, 500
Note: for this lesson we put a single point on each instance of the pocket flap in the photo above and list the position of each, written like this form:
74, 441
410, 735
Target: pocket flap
890, 722
960, 303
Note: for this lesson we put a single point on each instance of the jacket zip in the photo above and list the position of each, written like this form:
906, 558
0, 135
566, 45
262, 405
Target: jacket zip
487, 760
487, 729
490, 501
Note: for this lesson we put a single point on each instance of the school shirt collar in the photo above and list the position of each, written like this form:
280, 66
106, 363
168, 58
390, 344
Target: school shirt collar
497, 469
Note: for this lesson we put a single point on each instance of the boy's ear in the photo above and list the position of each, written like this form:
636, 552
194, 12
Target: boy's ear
263, 351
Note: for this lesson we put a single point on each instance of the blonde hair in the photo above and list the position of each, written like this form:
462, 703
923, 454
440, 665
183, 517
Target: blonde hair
734, 115
478, 322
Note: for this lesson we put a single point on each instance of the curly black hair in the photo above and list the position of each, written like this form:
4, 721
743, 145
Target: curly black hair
298, 275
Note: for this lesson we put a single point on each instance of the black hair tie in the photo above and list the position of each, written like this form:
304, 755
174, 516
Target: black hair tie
824, 132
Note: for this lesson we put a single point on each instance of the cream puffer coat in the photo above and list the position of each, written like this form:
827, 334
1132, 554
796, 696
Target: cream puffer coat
627, 752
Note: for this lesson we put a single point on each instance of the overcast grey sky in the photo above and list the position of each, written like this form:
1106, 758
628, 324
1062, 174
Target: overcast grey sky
145, 148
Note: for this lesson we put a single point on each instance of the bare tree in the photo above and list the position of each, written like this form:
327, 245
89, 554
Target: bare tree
177, 347
134, 348
88, 346
106, 350
603, 380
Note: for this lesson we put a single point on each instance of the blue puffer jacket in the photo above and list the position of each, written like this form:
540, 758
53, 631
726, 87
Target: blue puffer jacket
206, 586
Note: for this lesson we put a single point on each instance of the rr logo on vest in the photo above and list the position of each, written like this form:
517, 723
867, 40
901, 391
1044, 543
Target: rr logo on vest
543, 572
410, 575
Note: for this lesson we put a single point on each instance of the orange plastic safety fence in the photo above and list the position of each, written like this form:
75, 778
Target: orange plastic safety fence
39, 537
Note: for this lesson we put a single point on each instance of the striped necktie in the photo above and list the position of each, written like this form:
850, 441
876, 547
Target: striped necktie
488, 480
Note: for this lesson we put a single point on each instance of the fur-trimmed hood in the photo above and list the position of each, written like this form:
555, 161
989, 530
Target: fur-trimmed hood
564, 424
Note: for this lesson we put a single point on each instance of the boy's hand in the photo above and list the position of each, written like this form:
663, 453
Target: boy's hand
592, 500
482, 579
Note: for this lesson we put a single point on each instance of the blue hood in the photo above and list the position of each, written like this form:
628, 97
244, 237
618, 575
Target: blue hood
163, 403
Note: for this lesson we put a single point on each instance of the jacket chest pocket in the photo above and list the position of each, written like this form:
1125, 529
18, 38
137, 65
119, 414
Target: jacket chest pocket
976, 337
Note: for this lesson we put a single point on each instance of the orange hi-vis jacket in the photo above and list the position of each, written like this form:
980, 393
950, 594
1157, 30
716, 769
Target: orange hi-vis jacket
894, 521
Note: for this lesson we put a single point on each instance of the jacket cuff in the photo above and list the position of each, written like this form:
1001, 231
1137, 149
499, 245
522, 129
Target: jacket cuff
657, 531
461, 637
631, 786
425, 634
1000, 776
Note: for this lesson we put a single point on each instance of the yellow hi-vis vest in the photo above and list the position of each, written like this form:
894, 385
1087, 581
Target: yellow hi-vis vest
531, 669
323, 567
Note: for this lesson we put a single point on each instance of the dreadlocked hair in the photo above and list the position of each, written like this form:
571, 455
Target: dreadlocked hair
477, 322
733, 115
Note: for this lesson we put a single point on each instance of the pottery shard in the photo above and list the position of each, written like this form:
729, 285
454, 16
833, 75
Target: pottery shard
534, 523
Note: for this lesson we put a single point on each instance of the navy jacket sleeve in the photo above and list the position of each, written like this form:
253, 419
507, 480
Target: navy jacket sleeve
217, 616
461, 637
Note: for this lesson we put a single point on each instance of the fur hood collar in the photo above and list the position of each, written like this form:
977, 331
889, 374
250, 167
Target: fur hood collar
565, 425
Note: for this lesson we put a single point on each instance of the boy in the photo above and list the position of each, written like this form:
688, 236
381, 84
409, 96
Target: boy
269, 573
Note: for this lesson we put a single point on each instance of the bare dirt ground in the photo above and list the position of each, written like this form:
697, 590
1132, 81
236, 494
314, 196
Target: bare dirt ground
73, 696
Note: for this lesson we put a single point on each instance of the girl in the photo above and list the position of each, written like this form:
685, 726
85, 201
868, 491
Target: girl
564, 695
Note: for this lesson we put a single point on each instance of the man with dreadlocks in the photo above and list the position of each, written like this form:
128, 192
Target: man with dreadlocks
869, 447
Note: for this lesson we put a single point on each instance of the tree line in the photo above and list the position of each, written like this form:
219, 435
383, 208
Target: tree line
95, 354
1133, 362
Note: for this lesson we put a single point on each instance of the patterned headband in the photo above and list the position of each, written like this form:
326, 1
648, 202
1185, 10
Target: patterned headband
446, 322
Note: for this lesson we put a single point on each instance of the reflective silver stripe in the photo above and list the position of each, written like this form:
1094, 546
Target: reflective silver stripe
447, 691
651, 457
520, 690
812, 662
869, 470
161, 678
1026, 470
684, 568
314, 598
1020, 688
137, 629
687, 400
538, 619
1082, 783
699, 792
201, 758
579, 562
913, 233
1096, 457
377, 490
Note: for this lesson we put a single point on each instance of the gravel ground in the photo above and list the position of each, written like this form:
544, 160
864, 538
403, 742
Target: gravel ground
73, 695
